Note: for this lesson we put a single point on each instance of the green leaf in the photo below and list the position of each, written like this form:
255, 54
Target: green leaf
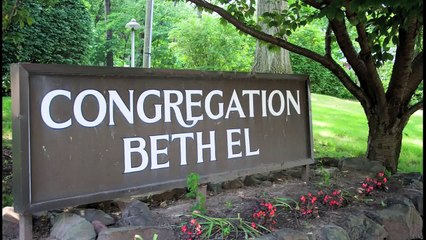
340, 15
387, 56
395, 40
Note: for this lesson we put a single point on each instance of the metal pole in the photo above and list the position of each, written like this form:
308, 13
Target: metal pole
148, 34
133, 25
132, 63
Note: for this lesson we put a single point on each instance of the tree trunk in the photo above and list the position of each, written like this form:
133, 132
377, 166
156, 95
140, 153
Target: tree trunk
384, 142
275, 60
109, 53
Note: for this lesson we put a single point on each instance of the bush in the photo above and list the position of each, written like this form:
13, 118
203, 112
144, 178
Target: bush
60, 33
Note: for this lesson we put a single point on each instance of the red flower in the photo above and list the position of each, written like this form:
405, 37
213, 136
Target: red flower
253, 225
381, 174
385, 180
313, 199
364, 185
184, 228
326, 198
193, 221
303, 198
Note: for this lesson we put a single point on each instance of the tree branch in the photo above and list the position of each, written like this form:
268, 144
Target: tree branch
328, 41
374, 86
327, 63
403, 59
345, 44
11, 16
415, 108
410, 111
416, 77
313, 3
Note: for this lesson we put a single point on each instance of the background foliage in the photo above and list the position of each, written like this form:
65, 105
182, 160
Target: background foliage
74, 32
205, 44
58, 33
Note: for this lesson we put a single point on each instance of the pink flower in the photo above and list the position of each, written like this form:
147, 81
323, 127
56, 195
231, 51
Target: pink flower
385, 180
193, 221
326, 198
198, 230
303, 198
381, 174
313, 199
184, 228
364, 185
253, 225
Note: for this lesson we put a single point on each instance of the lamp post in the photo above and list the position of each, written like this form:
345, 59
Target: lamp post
133, 25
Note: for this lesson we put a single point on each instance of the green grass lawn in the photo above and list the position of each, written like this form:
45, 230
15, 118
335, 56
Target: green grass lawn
339, 128
7, 122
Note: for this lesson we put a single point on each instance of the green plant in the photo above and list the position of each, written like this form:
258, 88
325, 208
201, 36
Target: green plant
7, 200
228, 203
285, 202
192, 182
200, 205
326, 176
226, 226
138, 237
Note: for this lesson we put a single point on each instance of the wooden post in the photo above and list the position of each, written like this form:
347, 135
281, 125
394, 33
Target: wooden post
25, 227
305, 173
202, 193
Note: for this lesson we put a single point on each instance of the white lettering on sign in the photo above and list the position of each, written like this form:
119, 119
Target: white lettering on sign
168, 106
188, 108
137, 158
45, 109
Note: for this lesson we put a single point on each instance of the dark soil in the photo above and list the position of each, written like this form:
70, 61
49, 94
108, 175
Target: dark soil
173, 208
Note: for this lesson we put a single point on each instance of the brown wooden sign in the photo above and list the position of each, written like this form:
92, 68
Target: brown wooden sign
87, 134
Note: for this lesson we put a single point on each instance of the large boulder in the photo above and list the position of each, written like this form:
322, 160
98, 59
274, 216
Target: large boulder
331, 232
401, 220
10, 223
361, 227
129, 232
136, 213
416, 197
91, 215
285, 234
360, 164
69, 226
